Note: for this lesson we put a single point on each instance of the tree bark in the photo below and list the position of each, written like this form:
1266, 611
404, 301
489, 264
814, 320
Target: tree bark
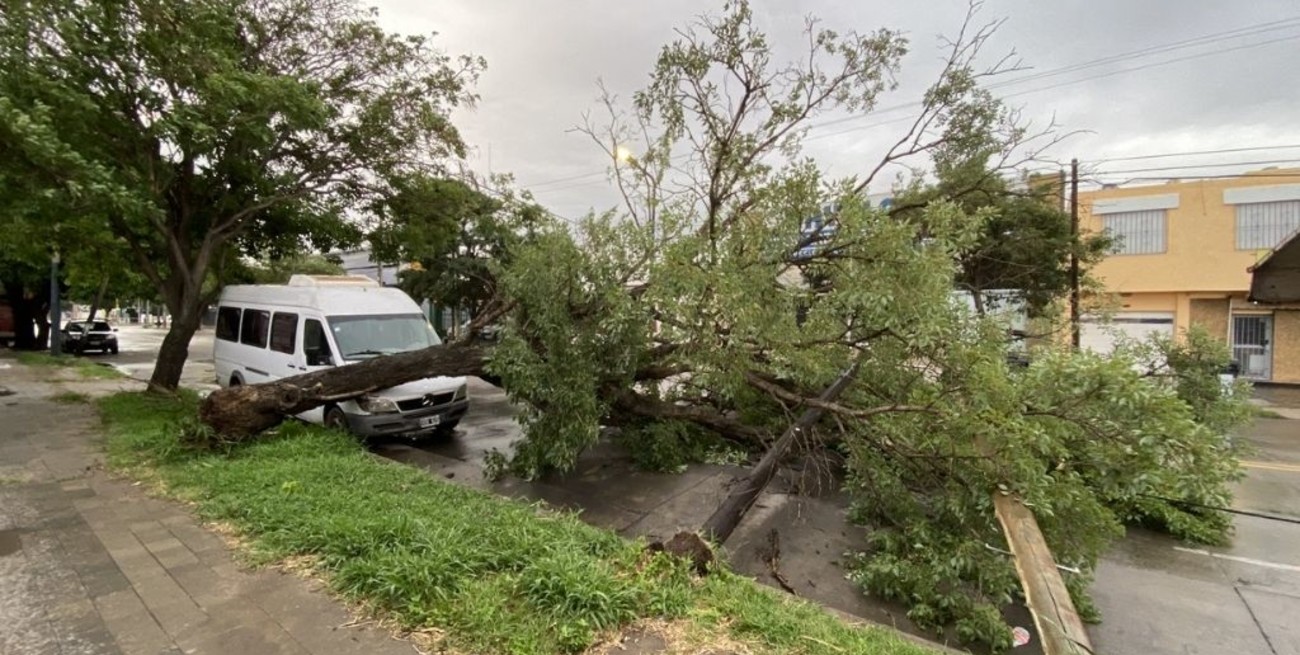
240, 412
99, 299
174, 351
727, 516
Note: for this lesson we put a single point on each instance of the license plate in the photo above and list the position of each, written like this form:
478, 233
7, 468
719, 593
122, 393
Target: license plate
430, 421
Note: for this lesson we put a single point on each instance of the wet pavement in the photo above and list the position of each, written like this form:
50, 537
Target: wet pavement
1157, 595
805, 510
138, 349
1286, 396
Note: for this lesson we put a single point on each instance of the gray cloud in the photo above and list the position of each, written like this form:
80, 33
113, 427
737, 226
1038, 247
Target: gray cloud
545, 57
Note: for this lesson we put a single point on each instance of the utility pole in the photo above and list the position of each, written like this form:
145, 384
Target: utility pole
56, 312
1074, 255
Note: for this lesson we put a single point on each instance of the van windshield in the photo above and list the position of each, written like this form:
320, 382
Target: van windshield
363, 337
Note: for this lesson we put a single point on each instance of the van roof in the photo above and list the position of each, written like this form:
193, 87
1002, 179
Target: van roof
328, 299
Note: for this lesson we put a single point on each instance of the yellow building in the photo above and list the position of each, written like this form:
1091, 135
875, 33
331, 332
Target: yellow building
1184, 253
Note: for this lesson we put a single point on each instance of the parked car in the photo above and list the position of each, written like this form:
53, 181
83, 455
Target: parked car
268, 332
80, 336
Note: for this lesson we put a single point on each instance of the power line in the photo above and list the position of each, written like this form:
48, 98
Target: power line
1227, 510
1151, 50
1265, 162
1154, 65
1193, 153
1193, 178
1207, 39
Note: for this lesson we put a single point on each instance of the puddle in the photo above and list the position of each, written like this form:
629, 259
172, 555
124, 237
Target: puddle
10, 542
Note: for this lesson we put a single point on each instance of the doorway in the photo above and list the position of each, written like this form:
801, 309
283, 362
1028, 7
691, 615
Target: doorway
1252, 345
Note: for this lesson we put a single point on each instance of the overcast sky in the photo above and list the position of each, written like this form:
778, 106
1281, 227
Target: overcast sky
545, 57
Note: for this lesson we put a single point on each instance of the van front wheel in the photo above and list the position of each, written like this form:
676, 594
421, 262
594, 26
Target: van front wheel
335, 419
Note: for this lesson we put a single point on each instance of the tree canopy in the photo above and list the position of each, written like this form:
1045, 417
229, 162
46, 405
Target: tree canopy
455, 234
199, 130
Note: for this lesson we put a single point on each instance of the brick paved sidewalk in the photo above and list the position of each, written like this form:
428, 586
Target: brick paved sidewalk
91, 565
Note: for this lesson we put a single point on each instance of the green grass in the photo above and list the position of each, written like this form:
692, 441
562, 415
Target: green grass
85, 368
70, 398
496, 575
1264, 412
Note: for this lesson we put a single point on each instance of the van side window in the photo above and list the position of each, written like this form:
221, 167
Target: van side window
315, 345
284, 331
228, 323
253, 330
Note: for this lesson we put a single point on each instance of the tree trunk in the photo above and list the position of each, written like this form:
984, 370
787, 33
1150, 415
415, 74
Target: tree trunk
174, 351
24, 310
240, 412
98, 301
727, 516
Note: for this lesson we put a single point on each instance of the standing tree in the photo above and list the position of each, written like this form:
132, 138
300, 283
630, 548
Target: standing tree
456, 234
1022, 255
206, 128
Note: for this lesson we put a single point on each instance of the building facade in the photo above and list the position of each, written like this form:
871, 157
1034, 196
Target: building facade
1183, 258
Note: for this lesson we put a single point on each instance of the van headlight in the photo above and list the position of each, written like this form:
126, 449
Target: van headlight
462, 392
377, 404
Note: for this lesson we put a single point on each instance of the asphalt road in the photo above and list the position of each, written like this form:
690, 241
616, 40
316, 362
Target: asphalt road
138, 349
1157, 596
1160, 596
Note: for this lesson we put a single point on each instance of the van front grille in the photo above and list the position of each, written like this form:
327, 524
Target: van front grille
426, 401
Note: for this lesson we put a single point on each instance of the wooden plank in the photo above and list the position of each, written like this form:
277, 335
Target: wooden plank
1059, 626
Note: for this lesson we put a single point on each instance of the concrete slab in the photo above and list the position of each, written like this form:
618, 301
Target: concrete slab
1278, 618
1169, 613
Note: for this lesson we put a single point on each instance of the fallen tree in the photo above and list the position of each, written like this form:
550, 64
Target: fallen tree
243, 411
719, 306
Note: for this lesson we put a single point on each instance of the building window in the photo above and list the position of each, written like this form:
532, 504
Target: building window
284, 330
1136, 233
228, 324
1263, 225
255, 324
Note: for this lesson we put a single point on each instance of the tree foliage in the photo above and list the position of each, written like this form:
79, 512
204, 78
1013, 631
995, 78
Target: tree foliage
1022, 256
200, 130
696, 313
454, 234
280, 269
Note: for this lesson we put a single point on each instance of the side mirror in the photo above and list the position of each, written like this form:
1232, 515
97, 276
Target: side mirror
115, 329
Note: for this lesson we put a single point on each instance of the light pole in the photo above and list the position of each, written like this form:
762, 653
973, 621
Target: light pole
56, 312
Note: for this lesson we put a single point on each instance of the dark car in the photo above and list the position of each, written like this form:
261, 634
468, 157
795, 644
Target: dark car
80, 336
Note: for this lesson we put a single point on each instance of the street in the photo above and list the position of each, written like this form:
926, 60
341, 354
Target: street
1160, 596
1156, 595
138, 348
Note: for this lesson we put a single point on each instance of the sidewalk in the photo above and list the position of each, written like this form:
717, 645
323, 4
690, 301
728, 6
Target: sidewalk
91, 565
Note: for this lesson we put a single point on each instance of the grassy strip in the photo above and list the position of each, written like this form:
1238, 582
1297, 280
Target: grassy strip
1264, 412
85, 368
70, 398
494, 575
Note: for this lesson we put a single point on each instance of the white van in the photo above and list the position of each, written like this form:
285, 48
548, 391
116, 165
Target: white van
272, 331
